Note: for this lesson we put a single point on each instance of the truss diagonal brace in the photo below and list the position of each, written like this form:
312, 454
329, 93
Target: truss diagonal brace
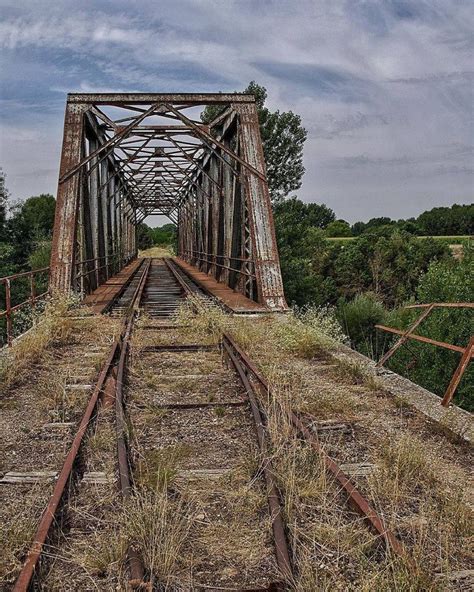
114, 140
209, 140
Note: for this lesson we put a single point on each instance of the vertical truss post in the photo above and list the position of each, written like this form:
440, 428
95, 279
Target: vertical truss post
67, 202
262, 230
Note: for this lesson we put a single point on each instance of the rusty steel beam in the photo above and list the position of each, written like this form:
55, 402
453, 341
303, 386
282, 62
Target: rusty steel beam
421, 338
404, 335
191, 99
443, 305
458, 373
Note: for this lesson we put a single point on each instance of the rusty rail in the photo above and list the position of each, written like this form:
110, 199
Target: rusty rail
31, 301
137, 571
274, 504
28, 569
467, 352
356, 500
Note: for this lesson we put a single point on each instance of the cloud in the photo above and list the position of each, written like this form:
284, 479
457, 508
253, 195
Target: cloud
384, 87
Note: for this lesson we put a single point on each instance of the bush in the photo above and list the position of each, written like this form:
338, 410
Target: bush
358, 318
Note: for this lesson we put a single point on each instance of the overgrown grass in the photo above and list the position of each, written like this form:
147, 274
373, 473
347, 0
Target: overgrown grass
158, 526
421, 495
54, 328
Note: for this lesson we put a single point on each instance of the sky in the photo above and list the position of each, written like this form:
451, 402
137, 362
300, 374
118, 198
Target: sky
384, 87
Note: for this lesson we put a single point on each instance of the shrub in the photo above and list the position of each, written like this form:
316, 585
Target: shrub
358, 318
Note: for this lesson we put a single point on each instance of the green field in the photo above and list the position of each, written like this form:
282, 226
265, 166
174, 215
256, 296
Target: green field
452, 240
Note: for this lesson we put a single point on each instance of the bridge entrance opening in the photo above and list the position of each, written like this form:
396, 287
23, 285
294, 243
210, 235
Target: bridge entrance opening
129, 156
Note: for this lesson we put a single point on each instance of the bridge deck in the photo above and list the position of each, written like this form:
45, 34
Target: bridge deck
101, 297
235, 301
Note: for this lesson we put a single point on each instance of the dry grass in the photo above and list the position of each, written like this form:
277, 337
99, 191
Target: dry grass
16, 535
157, 252
422, 494
157, 468
158, 526
53, 329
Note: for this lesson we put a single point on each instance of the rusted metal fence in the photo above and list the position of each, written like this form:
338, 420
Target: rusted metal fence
467, 353
31, 287
31, 280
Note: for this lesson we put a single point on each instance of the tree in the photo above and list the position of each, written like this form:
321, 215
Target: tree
447, 221
447, 280
4, 194
304, 254
164, 235
338, 228
358, 228
283, 138
144, 236
38, 212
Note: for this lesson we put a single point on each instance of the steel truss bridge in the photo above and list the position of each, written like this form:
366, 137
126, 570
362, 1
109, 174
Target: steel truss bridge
129, 156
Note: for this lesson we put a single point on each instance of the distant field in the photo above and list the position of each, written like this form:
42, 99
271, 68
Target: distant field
452, 240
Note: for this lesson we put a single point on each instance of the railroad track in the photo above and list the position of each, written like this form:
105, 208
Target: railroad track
198, 446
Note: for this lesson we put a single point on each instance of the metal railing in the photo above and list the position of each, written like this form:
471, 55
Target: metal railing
211, 259
113, 263
467, 353
31, 301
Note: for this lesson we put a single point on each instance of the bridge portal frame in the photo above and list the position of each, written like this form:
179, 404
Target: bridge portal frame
213, 187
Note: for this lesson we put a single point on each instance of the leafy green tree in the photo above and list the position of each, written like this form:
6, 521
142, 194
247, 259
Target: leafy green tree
38, 212
164, 235
358, 319
358, 228
456, 220
376, 222
144, 236
283, 138
389, 265
305, 256
338, 228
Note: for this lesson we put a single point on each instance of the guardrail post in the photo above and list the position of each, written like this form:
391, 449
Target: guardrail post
32, 291
456, 378
8, 303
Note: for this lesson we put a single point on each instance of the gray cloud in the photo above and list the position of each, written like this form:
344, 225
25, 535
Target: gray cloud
384, 87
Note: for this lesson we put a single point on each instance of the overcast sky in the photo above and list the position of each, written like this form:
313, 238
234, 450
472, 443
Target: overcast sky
384, 87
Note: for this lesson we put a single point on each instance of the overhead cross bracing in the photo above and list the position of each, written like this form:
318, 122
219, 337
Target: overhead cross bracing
129, 156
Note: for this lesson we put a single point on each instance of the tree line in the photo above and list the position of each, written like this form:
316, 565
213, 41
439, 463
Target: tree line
441, 221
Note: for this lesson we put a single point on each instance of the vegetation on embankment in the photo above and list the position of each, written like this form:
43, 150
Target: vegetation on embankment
368, 280
418, 481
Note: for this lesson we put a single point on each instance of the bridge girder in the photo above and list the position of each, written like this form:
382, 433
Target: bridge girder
123, 160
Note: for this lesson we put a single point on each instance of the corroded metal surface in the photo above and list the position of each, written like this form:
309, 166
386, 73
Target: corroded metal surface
127, 156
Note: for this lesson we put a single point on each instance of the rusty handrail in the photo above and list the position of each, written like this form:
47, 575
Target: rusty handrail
467, 352
32, 299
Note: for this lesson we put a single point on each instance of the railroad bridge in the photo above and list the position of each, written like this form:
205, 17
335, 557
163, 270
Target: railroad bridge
206, 436
129, 156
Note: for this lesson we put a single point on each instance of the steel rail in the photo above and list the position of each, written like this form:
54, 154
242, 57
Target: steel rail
355, 498
137, 571
27, 572
28, 569
281, 545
